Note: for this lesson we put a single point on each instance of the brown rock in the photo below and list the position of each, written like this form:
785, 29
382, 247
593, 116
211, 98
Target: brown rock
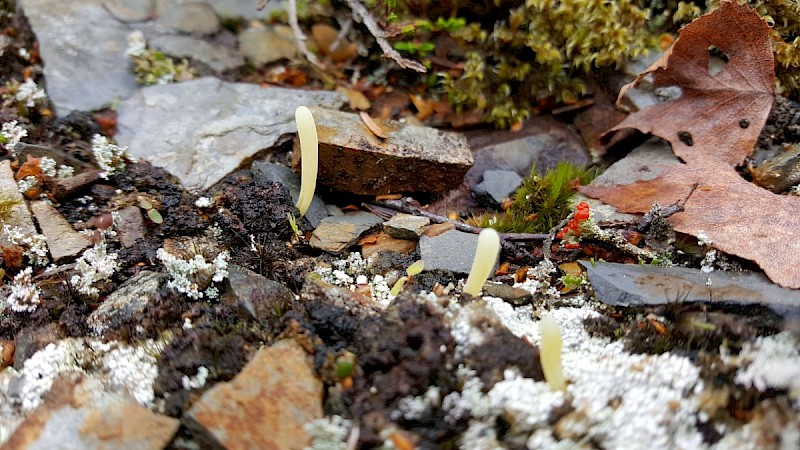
412, 159
265, 406
438, 228
19, 216
384, 242
87, 417
63, 188
62, 240
131, 226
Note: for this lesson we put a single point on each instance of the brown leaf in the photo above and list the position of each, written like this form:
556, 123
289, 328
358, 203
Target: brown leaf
325, 35
373, 127
711, 108
739, 217
358, 101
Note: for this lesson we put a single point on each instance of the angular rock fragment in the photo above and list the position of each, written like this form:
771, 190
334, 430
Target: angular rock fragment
412, 159
497, 185
79, 413
62, 240
127, 302
406, 226
451, 251
262, 299
336, 233
274, 396
632, 285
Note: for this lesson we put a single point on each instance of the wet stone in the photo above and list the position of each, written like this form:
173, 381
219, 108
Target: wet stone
187, 17
451, 251
131, 10
497, 185
406, 226
62, 240
275, 395
412, 159
262, 299
337, 233
79, 413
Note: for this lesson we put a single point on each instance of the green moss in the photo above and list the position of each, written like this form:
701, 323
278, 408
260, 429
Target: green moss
541, 50
541, 202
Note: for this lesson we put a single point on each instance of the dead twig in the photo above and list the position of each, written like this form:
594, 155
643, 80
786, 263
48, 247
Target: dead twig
261, 4
299, 37
380, 37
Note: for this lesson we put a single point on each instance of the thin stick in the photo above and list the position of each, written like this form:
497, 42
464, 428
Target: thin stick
380, 37
299, 37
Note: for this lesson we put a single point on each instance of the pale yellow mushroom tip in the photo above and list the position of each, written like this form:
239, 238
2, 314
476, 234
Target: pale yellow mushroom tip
309, 148
486, 253
550, 353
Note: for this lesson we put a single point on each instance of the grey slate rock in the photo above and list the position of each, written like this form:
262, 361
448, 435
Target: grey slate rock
216, 57
127, 302
337, 233
497, 185
131, 10
632, 285
271, 172
245, 8
202, 138
451, 251
192, 17
83, 47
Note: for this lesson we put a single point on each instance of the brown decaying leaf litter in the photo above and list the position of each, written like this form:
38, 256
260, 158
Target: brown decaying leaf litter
738, 217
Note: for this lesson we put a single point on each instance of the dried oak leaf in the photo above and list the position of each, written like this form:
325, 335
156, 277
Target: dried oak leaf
739, 217
712, 110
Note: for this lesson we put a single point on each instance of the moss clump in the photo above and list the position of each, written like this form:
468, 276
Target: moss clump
7, 204
541, 202
541, 50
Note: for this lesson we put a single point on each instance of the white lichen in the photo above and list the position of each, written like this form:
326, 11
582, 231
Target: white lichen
192, 276
95, 264
136, 44
197, 381
27, 183
203, 202
35, 245
11, 134
24, 295
29, 94
110, 157
328, 433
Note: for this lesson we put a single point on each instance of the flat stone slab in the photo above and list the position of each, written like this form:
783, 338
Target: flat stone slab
79, 413
406, 226
452, 251
62, 240
264, 406
83, 49
631, 285
412, 158
201, 130
337, 233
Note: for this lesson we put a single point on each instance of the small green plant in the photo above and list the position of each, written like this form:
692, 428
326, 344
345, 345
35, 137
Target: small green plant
414, 269
293, 224
541, 202
572, 282
152, 212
